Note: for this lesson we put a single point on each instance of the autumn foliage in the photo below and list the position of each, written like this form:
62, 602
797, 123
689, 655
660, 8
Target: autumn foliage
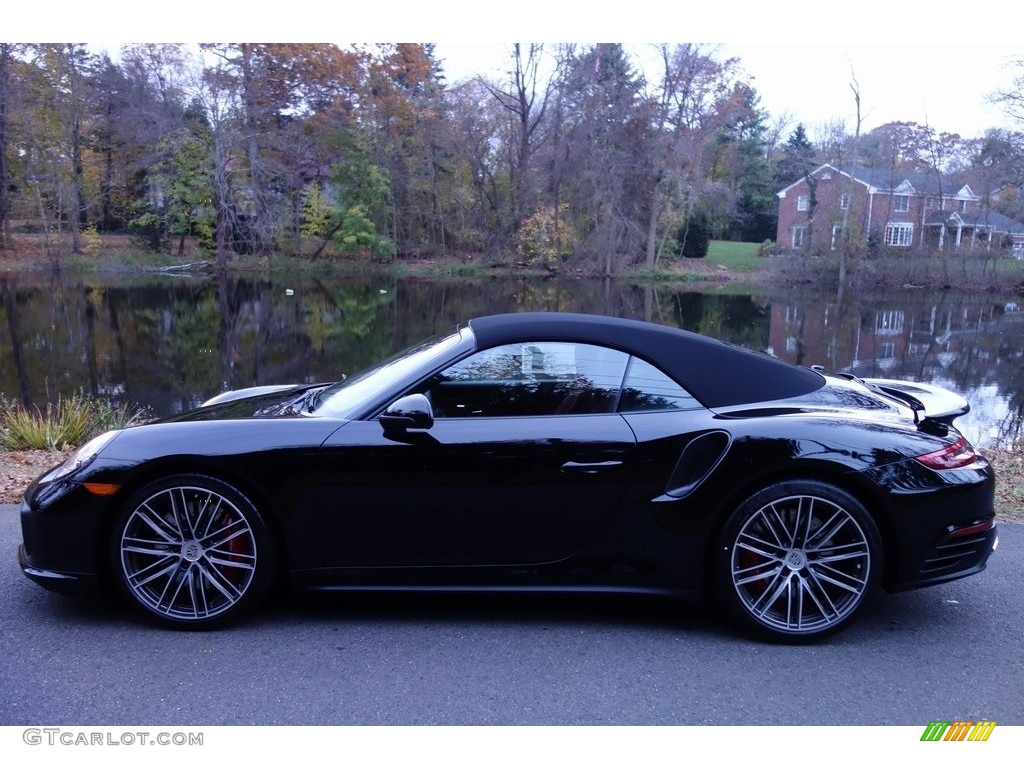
576, 156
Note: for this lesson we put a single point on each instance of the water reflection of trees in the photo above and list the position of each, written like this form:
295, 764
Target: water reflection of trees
171, 342
14, 360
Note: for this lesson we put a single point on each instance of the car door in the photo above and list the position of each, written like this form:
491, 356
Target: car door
678, 440
525, 461
679, 444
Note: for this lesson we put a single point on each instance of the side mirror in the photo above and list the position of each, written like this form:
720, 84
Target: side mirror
409, 412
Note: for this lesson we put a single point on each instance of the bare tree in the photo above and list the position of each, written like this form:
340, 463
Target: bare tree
526, 102
601, 152
59, 119
685, 113
1012, 99
213, 93
778, 126
996, 168
830, 140
846, 244
7, 51
476, 135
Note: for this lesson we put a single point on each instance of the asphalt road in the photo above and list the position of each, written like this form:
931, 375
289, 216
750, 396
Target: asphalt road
950, 652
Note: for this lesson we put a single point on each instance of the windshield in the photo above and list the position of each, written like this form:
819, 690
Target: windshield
340, 400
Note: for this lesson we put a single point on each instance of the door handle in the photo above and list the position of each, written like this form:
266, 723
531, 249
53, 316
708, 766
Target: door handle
590, 467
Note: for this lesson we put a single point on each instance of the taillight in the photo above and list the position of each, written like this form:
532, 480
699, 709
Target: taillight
959, 454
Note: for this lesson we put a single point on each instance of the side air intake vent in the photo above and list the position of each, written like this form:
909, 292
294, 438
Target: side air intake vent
698, 459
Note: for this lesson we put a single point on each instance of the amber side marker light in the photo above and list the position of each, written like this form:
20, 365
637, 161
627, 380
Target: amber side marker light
102, 489
959, 454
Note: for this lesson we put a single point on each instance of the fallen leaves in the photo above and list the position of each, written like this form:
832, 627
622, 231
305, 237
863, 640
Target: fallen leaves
19, 468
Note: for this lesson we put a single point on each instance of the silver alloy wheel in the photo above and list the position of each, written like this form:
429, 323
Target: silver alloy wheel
187, 553
801, 564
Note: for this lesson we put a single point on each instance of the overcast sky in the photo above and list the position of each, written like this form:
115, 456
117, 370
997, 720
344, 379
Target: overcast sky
937, 67
946, 87
810, 82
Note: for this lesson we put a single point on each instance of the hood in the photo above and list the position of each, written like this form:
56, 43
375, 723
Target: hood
266, 402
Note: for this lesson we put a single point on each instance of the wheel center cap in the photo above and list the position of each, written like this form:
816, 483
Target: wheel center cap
191, 551
796, 560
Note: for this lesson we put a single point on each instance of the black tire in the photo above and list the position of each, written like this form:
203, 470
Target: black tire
191, 552
795, 561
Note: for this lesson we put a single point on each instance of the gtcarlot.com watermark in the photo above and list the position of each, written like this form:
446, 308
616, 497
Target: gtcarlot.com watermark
71, 738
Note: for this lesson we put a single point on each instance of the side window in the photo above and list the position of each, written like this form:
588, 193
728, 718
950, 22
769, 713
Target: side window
530, 379
648, 389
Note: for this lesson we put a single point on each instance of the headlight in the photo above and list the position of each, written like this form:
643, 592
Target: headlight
82, 456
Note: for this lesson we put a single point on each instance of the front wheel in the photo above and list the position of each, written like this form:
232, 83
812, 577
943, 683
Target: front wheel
191, 551
796, 560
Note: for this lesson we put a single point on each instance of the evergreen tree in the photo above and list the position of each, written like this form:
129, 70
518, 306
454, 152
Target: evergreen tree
694, 236
742, 164
179, 201
603, 159
798, 159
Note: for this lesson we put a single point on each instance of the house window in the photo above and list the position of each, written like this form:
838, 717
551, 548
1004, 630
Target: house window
801, 203
901, 234
837, 235
799, 236
889, 322
962, 206
901, 203
930, 202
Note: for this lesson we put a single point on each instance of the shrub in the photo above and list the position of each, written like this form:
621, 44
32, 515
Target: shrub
694, 236
547, 238
69, 422
92, 242
358, 235
316, 212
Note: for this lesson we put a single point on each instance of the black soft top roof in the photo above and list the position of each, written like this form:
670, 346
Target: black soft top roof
717, 374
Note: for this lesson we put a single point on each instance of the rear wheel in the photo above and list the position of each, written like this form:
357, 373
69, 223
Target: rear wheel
191, 551
796, 560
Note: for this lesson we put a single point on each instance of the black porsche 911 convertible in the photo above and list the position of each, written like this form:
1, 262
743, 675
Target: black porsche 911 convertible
537, 451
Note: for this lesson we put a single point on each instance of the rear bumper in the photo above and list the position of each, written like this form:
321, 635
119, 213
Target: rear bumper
942, 534
953, 557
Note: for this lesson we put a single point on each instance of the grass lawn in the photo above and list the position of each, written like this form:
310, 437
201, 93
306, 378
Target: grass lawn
736, 257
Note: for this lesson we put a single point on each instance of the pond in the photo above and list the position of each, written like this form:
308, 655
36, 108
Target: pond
172, 342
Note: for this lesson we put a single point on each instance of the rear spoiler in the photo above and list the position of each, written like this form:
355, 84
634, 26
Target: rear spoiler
926, 400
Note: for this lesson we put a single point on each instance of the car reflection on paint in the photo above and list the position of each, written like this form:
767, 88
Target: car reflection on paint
531, 451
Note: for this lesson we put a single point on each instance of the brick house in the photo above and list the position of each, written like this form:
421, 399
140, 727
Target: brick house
898, 210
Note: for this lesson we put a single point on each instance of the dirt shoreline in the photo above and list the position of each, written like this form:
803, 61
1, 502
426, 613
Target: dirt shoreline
120, 255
